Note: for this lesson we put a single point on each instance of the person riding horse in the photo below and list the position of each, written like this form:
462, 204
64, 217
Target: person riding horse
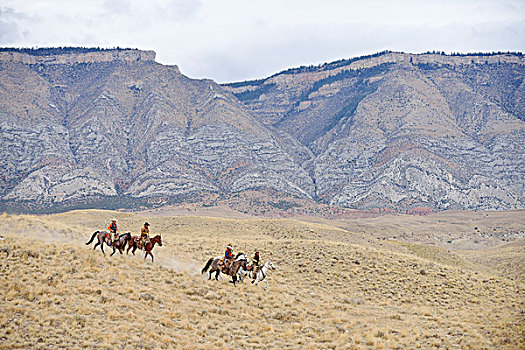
144, 234
255, 263
227, 258
112, 228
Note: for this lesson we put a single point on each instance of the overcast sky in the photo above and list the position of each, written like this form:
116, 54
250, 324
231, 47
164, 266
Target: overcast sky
233, 40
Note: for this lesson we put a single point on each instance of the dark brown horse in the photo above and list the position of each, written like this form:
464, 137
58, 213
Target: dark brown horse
214, 265
121, 242
136, 243
151, 244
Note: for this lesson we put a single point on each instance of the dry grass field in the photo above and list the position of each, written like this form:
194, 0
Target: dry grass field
391, 282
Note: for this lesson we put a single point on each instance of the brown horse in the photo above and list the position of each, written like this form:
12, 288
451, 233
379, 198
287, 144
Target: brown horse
240, 261
136, 243
149, 246
102, 237
121, 242
105, 237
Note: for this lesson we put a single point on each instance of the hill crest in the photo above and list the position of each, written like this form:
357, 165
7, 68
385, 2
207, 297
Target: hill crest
73, 55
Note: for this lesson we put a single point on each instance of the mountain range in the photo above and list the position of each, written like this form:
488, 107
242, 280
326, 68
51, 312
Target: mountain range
86, 127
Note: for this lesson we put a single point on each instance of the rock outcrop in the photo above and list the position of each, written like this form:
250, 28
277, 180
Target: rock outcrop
73, 57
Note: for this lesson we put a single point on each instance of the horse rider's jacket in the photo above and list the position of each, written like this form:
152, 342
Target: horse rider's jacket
226, 260
113, 228
255, 264
255, 259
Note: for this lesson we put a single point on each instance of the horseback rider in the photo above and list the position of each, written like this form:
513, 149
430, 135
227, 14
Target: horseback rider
255, 263
112, 228
144, 235
228, 256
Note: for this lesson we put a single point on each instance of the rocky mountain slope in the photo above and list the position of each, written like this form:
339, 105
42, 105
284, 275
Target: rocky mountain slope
399, 130
129, 129
86, 127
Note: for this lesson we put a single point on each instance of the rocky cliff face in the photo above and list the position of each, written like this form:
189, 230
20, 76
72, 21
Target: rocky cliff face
74, 56
401, 131
391, 130
130, 131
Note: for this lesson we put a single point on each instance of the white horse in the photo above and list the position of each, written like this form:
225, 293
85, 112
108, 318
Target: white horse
261, 274
243, 273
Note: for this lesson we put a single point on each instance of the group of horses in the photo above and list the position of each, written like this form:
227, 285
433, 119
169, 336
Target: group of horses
239, 268
125, 239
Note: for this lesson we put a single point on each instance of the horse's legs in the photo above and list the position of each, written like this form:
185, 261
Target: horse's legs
96, 245
217, 274
148, 252
102, 248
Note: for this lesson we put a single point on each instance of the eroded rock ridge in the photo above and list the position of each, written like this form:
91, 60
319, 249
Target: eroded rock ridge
391, 130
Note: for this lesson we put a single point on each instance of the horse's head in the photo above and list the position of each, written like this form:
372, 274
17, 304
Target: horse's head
158, 239
271, 265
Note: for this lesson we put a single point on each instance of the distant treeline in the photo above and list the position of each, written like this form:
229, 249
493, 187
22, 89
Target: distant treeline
494, 53
311, 68
344, 62
48, 51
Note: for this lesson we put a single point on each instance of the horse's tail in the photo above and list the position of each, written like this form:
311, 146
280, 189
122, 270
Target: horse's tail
92, 238
207, 266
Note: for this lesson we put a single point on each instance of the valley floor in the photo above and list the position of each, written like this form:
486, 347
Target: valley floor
391, 283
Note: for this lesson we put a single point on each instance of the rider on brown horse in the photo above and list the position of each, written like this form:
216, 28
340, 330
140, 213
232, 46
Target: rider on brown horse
144, 234
227, 258
112, 228
255, 263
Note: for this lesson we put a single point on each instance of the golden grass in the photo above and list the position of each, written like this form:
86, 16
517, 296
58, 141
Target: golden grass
332, 289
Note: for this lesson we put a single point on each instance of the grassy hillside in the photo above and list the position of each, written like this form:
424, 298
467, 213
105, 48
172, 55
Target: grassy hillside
333, 288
